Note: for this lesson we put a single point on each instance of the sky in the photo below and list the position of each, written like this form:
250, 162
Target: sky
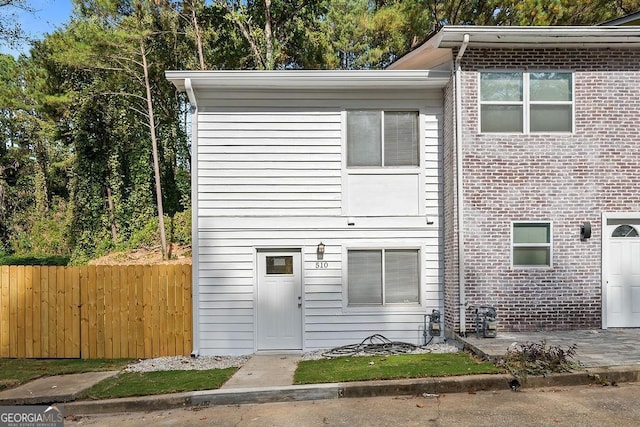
47, 16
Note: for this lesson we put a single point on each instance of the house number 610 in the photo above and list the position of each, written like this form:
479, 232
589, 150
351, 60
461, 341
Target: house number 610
322, 265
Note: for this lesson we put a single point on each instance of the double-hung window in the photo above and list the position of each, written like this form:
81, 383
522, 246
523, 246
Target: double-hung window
532, 244
526, 102
383, 276
382, 139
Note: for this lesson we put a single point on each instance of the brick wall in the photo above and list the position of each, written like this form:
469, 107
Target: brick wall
565, 179
451, 292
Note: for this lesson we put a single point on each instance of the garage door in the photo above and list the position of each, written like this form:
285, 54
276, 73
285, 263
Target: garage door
623, 273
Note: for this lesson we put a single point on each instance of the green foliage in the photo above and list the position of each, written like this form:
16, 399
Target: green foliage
45, 234
539, 359
363, 368
180, 230
160, 382
32, 260
145, 237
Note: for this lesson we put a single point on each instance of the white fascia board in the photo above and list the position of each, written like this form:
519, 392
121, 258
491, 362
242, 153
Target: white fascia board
518, 37
309, 80
536, 37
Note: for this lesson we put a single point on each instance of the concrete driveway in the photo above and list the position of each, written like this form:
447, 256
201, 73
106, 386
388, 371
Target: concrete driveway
597, 347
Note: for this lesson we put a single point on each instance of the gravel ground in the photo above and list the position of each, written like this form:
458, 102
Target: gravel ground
175, 363
181, 363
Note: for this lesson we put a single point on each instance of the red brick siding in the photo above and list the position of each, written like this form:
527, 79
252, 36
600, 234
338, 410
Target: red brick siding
565, 179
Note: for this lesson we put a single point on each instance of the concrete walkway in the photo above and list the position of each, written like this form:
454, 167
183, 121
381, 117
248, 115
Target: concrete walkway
59, 388
264, 370
597, 347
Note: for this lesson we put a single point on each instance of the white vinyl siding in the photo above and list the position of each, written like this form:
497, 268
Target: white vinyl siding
270, 176
261, 164
227, 287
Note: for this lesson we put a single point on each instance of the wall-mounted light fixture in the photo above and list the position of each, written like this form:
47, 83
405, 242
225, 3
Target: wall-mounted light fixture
585, 230
320, 251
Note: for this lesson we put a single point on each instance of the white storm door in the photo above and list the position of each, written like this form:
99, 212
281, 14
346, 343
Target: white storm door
279, 317
623, 282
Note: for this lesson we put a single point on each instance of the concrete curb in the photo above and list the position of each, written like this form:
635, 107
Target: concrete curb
440, 385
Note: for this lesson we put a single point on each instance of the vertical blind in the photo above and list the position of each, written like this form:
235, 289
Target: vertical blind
366, 140
365, 277
401, 138
401, 276
400, 281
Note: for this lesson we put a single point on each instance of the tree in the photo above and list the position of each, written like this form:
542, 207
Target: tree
10, 30
117, 44
273, 29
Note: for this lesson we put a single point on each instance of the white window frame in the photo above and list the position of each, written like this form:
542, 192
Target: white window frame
383, 167
532, 245
380, 171
383, 306
526, 103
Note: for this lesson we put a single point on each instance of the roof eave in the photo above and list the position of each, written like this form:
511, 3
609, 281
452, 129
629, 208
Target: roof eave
534, 37
450, 37
308, 80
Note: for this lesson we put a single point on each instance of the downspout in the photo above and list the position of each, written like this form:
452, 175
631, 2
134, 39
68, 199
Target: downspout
459, 187
195, 253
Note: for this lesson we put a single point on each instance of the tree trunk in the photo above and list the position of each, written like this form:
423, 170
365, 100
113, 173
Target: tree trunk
154, 143
112, 216
268, 36
198, 37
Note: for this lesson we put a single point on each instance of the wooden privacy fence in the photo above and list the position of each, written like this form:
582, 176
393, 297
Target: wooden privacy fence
89, 312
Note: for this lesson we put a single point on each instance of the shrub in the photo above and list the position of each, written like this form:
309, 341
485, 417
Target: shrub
538, 359
35, 260
180, 227
146, 237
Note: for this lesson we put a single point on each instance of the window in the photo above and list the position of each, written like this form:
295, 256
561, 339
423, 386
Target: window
625, 231
526, 102
382, 138
531, 242
386, 276
279, 265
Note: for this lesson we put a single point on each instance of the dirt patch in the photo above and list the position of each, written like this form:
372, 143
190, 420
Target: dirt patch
178, 255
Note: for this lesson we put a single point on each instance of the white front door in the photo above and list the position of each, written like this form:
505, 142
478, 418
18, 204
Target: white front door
623, 274
279, 314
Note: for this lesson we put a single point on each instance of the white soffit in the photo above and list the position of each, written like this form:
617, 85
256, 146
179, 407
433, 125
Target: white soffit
518, 37
309, 80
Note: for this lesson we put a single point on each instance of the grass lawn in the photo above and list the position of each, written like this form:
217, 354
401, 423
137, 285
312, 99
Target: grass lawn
343, 369
14, 372
160, 382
